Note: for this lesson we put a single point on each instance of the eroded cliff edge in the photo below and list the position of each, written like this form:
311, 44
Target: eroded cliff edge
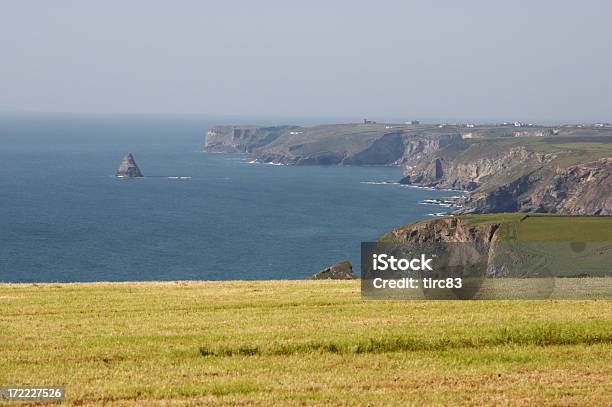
444, 230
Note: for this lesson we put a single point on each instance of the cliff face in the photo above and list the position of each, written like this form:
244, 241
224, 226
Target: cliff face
474, 256
445, 172
445, 230
517, 179
418, 147
343, 144
511, 245
584, 189
385, 150
241, 139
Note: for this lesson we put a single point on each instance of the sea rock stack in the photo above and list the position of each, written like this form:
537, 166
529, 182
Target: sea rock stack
128, 168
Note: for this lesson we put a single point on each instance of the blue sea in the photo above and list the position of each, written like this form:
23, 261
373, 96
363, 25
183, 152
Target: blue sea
65, 217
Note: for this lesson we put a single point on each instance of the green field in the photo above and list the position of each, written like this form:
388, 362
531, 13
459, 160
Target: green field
299, 343
538, 227
541, 227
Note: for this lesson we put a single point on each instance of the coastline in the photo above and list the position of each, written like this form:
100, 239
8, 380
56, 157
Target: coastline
446, 202
229, 221
505, 167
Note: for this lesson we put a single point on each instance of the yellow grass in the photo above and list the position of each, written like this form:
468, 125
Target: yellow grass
299, 343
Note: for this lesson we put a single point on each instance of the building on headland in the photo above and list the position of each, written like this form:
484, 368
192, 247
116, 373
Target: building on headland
517, 124
412, 122
366, 121
534, 133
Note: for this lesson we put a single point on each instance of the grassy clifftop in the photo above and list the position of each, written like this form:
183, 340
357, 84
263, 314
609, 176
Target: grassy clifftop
539, 227
520, 245
527, 227
565, 149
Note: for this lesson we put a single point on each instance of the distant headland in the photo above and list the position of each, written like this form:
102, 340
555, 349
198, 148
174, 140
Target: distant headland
506, 167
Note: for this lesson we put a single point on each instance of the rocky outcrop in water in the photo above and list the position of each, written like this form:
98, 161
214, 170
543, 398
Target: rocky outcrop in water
128, 168
340, 271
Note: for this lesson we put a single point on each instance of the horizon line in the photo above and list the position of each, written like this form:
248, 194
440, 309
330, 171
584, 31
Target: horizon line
326, 118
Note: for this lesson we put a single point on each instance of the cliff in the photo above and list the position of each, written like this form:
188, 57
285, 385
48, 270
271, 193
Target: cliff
583, 189
468, 248
516, 244
337, 144
444, 230
241, 139
474, 167
504, 169
555, 175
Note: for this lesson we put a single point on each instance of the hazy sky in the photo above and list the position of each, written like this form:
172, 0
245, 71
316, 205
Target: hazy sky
446, 60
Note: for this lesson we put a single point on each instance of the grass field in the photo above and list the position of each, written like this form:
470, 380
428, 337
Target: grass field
299, 342
539, 227
542, 227
568, 150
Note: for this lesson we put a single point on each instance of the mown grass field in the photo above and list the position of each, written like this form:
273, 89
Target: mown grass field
299, 343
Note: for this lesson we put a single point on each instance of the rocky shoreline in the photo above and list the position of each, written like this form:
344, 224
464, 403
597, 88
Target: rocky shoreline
565, 170
521, 181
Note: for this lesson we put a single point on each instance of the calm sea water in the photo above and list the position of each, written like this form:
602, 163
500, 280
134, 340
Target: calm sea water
65, 217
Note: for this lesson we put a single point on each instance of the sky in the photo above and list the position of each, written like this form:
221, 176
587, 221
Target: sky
435, 60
